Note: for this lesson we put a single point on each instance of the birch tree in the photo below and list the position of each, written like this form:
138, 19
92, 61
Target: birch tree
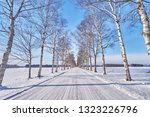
143, 15
84, 36
53, 40
93, 34
57, 61
95, 49
24, 43
145, 23
99, 26
82, 56
51, 46
138, 12
44, 20
63, 49
113, 10
11, 10
106, 38
144, 19
71, 60
93, 40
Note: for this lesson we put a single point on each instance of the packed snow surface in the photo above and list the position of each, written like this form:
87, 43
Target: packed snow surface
76, 84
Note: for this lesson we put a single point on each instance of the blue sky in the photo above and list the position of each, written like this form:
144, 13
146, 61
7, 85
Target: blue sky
134, 42
72, 13
133, 39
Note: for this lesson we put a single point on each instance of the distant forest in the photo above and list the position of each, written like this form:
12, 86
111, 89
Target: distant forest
107, 65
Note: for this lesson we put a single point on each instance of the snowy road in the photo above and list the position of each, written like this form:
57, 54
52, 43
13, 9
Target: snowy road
75, 84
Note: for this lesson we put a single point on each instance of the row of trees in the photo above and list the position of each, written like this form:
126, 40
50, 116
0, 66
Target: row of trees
93, 37
96, 37
34, 25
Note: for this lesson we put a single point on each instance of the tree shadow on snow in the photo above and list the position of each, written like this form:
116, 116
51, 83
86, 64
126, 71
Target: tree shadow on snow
3, 88
69, 85
26, 88
101, 84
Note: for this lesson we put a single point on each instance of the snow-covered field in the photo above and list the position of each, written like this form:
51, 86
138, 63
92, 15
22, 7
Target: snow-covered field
19, 76
16, 80
139, 87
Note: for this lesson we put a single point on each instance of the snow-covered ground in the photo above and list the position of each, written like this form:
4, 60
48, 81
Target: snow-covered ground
74, 81
139, 87
19, 76
16, 80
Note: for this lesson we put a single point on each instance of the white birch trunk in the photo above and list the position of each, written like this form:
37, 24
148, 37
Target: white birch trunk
53, 60
30, 69
90, 60
116, 17
8, 50
41, 59
30, 63
95, 63
102, 54
87, 63
145, 24
103, 62
56, 70
62, 63
123, 52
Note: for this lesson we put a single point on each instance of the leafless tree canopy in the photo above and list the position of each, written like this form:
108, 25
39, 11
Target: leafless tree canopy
26, 25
